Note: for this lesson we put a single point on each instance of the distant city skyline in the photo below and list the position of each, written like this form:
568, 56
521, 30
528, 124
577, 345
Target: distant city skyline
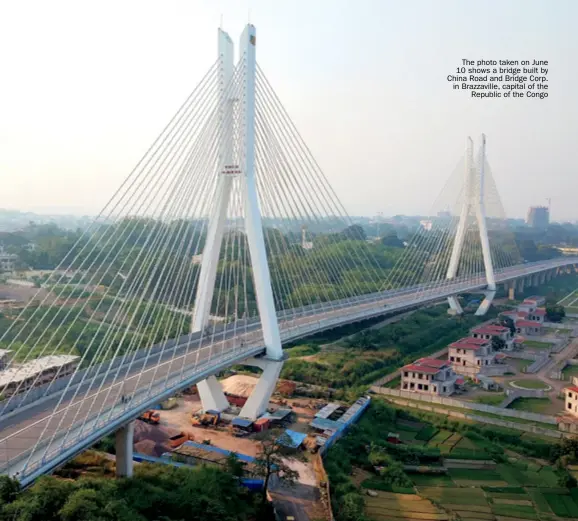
87, 88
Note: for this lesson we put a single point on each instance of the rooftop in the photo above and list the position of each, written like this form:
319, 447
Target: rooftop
573, 388
328, 410
34, 367
490, 329
427, 365
539, 311
528, 323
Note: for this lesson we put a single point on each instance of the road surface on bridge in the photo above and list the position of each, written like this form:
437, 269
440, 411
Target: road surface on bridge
151, 378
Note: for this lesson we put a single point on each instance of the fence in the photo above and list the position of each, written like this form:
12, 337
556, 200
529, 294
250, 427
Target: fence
481, 419
452, 402
538, 364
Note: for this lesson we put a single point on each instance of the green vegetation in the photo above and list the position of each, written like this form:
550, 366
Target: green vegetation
569, 371
518, 486
363, 357
537, 405
444, 408
555, 313
537, 344
530, 384
491, 399
157, 492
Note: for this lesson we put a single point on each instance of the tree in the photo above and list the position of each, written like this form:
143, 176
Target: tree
391, 239
497, 343
555, 313
271, 460
234, 466
355, 232
509, 323
8, 489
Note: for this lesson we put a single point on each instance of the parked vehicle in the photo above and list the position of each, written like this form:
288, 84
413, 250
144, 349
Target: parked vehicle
150, 416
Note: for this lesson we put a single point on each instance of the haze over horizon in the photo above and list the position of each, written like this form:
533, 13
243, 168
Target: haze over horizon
88, 87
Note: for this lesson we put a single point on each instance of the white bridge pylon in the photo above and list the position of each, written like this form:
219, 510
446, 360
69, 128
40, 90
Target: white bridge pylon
473, 204
237, 165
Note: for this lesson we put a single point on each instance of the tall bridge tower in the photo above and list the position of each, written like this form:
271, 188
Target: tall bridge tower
210, 390
473, 209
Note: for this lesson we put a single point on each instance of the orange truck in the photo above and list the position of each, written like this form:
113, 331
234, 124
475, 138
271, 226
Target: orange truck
150, 416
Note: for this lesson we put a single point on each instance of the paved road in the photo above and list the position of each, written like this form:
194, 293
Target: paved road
57, 428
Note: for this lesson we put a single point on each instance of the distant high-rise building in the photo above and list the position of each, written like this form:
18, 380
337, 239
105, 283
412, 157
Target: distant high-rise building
538, 217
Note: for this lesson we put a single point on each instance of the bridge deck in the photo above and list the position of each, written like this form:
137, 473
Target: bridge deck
36, 439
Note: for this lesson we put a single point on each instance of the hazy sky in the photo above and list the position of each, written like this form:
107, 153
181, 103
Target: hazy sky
86, 86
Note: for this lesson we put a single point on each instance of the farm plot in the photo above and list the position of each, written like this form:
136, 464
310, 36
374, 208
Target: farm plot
455, 496
439, 438
387, 506
477, 477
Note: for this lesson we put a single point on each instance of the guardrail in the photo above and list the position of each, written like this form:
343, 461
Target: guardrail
92, 431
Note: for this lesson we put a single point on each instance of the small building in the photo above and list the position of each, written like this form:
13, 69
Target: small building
36, 373
529, 328
535, 300
291, 439
571, 400
469, 355
7, 261
429, 375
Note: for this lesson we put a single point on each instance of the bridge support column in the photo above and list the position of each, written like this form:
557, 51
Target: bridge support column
124, 438
520, 285
512, 290
542, 277
257, 403
455, 306
212, 395
486, 303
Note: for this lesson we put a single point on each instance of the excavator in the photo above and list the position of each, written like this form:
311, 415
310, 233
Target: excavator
206, 419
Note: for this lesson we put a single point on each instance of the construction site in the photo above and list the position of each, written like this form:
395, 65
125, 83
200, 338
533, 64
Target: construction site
179, 431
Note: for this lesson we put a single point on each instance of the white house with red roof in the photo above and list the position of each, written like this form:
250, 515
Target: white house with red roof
489, 331
571, 400
430, 376
469, 356
529, 327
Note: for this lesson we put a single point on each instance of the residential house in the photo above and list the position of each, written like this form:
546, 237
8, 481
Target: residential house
571, 400
489, 331
469, 355
430, 376
529, 327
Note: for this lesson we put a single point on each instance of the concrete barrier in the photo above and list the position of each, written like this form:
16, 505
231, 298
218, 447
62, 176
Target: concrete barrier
452, 402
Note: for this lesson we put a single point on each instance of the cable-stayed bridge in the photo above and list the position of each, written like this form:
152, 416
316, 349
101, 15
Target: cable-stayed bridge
225, 242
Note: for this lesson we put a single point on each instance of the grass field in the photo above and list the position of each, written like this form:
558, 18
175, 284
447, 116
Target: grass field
531, 384
537, 405
537, 345
491, 399
569, 371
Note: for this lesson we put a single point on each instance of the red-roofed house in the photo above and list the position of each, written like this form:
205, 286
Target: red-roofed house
529, 327
430, 376
532, 302
492, 330
470, 355
571, 400
538, 315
